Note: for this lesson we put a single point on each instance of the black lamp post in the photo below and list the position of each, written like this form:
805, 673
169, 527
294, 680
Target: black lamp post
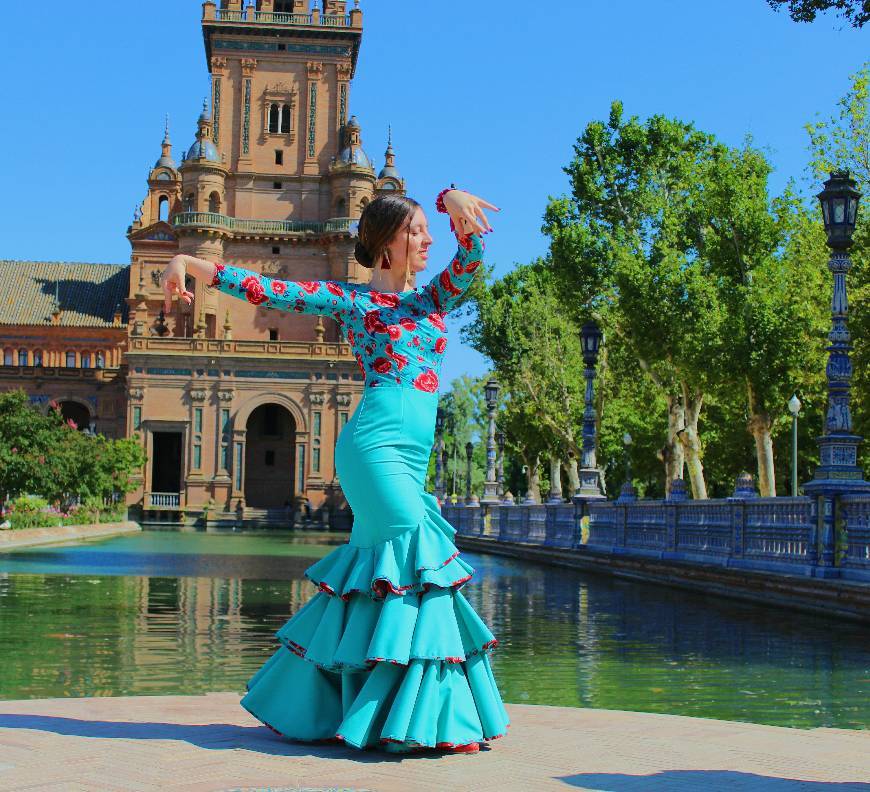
838, 472
470, 499
490, 486
590, 477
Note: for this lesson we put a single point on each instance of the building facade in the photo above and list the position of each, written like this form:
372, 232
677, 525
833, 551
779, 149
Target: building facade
238, 407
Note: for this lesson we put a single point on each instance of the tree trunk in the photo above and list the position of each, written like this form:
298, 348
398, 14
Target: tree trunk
691, 442
573, 475
671, 454
555, 478
760, 424
533, 479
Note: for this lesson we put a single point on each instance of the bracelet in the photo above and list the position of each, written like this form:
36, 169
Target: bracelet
439, 201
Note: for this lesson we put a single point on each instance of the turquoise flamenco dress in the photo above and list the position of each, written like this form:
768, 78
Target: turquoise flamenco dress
388, 653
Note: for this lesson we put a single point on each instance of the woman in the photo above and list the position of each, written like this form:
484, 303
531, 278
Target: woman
388, 653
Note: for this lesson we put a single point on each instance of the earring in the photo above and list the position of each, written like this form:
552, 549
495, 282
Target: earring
385, 264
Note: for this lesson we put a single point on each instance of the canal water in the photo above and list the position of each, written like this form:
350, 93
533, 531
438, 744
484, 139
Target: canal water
166, 612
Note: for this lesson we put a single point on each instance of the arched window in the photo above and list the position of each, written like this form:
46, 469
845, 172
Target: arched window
285, 118
101, 361
214, 203
22, 357
340, 208
189, 202
37, 357
163, 211
86, 359
274, 118
8, 357
70, 359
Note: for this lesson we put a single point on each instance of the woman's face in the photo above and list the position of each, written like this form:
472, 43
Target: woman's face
411, 242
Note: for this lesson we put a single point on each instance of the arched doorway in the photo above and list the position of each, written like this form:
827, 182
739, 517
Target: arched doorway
80, 414
269, 445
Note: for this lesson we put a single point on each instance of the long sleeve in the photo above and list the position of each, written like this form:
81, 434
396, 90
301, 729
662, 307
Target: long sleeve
448, 286
311, 297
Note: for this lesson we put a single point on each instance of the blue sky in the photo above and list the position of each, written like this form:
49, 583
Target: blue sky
491, 96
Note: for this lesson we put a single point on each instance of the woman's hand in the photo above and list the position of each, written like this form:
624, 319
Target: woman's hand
464, 210
172, 279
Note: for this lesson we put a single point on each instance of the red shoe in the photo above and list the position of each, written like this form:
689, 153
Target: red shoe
467, 748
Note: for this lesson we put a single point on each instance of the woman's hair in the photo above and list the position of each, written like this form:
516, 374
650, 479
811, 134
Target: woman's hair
378, 223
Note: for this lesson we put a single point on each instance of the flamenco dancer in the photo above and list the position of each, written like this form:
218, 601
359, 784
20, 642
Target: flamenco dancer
388, 654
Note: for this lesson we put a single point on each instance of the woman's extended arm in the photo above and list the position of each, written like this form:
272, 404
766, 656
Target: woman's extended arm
448, 286
312, 297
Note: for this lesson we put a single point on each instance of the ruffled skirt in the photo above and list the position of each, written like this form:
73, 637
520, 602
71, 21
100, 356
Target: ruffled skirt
388, 653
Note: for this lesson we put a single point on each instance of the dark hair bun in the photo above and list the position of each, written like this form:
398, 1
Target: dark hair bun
362, 255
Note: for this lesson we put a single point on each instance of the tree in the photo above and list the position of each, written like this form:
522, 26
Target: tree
620, 248
535, 348
856, 12
44, 455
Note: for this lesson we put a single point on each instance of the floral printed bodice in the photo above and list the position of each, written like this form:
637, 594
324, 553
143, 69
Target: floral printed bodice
396, 337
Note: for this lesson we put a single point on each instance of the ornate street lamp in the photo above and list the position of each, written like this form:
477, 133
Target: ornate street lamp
838, 473
794, 407
439, 446
839, 202
590, 476
490, 486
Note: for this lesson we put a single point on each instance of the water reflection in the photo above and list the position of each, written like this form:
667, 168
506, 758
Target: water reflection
162, 614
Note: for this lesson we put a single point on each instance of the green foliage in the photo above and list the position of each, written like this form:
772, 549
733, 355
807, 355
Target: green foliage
43, 454
855, 12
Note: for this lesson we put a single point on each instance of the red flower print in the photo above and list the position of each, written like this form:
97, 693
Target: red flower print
351, 336
279, 287
335, 289
437, 321
472, 265
395, 331
360, 363
447, 284
385, 300
218, 270
382, 365
436, 298
467, 242
456, 266
440, 344
400, 360
408, 323
254, 291
426, 381
372, 322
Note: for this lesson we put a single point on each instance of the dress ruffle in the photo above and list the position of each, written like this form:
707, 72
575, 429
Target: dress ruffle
387, 653
412, 562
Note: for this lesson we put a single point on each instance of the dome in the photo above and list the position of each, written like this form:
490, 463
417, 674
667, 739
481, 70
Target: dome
389, 172
354, 155
165, 162
204, 149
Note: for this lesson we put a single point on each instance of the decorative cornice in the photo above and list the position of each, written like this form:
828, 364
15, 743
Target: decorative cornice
249, 66
315, 69
343, 71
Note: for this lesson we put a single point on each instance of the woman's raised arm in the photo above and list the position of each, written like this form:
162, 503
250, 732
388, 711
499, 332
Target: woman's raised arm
311, 297
448, 286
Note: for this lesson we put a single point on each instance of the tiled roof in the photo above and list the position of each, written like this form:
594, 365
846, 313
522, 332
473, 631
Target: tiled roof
88, 293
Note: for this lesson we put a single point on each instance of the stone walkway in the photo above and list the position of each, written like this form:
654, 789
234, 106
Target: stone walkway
210, 743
